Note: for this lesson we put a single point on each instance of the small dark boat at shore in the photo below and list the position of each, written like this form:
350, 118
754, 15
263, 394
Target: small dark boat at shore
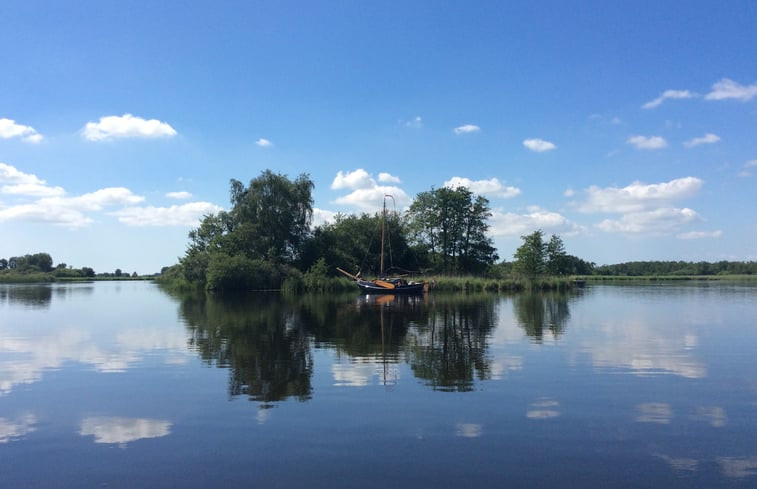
385, 285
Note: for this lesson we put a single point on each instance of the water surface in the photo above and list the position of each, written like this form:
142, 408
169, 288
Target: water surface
119, 384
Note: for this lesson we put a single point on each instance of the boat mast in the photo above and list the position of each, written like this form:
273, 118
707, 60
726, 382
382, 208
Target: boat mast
383, 228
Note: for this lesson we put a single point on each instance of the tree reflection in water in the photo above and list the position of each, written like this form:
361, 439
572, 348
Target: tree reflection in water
537, 311
449, 349
263, 344
266, 340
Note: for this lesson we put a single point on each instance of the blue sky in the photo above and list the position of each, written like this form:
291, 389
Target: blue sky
628, 128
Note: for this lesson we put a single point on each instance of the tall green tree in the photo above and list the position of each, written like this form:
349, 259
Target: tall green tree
529, 257
556, 261
450, 226
271, 216
267, 225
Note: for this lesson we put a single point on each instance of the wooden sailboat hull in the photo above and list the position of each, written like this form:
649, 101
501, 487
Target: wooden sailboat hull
371, 287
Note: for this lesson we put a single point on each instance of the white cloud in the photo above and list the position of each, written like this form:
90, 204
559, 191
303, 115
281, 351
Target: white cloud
353, 180
538, 145
179, 195
10, 129
263, 143
371, 199
52, 206
97, 200
700, 234
367, 195
45, 212
708, 138
126, 126
188, 214
509, 224
729, 89
10, 174
32, 190
668, 94
647, 142
107, 429
484, 187
20, 183
569, 192
415, 123
655, 222
322, 216
466, 129
639, 196
388, 178
750, 164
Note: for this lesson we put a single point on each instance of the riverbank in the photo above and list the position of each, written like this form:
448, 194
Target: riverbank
42, 277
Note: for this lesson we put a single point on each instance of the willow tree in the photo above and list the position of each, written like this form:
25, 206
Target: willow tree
266, 227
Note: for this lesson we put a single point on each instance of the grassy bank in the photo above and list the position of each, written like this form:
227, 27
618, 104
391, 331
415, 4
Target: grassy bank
512, 284
9, 277
669, 278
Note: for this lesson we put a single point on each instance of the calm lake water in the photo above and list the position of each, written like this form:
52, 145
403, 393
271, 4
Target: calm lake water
119, 384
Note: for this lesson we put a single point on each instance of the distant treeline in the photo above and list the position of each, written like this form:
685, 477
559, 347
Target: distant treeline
702, 268
39, 267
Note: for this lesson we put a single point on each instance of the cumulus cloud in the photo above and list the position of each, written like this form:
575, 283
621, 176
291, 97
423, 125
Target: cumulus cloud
510, 224
726, 89
700, 234
44, 211
179, 195
388, 178
322, 216
657, 221
367, 195
352, 180
52, 206
126, 126
538, 145
708, 138
16, 182
10, 129
484, 187
32, 190
638, 196
69, 211
263, 143
668, 94
466, 129
647, 142
188, 214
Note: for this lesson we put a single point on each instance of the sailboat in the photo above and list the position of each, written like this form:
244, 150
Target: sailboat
383, 284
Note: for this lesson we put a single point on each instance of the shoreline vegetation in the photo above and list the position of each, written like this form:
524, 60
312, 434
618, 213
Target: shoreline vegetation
266, 242
439, 283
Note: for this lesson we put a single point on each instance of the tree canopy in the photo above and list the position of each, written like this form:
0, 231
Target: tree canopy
450, 227
266, 227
